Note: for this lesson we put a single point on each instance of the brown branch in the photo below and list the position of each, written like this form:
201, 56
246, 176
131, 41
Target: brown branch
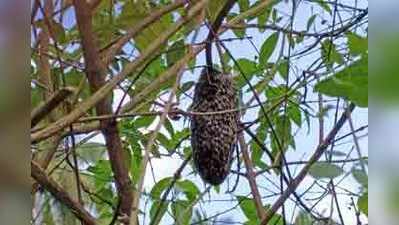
60, 194
214, 30
47, 106
251, 176
51, 97
96, 73
302, 174
94, 4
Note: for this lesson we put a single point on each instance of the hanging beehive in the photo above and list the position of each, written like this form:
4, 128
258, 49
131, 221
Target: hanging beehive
213, 136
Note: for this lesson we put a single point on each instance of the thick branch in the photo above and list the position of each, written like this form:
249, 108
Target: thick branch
96, 73
60, 194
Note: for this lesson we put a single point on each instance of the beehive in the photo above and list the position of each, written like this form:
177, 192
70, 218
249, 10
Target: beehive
213, 136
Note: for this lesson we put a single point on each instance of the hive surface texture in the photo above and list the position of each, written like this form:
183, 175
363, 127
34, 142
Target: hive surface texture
214, 135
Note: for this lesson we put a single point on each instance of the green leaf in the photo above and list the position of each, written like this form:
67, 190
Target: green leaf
243, 5
176, 52
164, 142
277, 219
363, 204
294, 113
35, 96
257, 151
267, 49
134, 12
283, 69
321, 170
91, 151
144, 121
102, 172
360, 176
350, 83
239, 32
283, 132
357, 44
159, 187
169, 127
217, 188
247, 66
310, 22
214, 8
73, 78
256, 155
247, 206
264, 17
303, 218
330, 53
162, 210
59, 32
189, 188
137, 157
182, 212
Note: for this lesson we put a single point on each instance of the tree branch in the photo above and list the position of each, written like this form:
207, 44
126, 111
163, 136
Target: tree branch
60, 194
251, 176
96, 73
214, 30
302, 174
